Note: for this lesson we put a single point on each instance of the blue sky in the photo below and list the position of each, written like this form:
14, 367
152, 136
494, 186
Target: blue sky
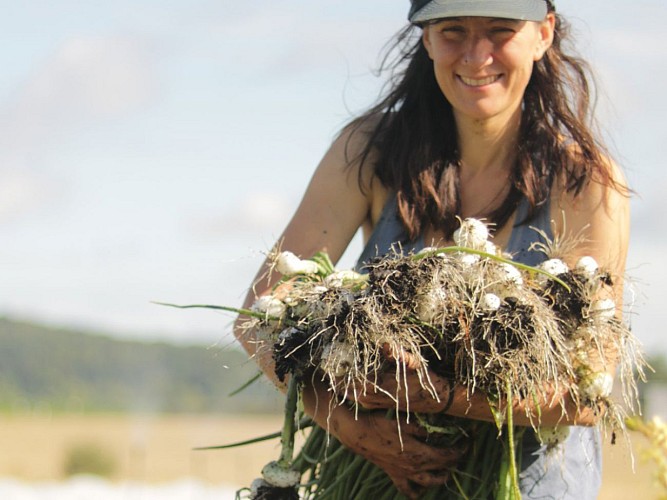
151, 151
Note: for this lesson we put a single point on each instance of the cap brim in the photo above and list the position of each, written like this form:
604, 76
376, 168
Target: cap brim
525, 10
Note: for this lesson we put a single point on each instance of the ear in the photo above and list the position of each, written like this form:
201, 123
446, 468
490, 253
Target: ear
545, 35
426, 40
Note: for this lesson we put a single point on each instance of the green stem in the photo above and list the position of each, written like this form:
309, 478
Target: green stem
247, 384
287, 436
304, 423
240, 443
323, 260
518, 265
238, 310
516, 493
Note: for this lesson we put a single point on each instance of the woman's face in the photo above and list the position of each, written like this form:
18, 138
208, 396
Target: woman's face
483, 64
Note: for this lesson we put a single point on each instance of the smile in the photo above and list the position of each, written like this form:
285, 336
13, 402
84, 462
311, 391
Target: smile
479, 82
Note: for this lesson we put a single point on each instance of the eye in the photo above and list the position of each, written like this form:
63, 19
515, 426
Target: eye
501, 33
500, 26
452, 31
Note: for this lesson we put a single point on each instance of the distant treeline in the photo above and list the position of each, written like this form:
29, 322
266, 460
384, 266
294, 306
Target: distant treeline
44, 368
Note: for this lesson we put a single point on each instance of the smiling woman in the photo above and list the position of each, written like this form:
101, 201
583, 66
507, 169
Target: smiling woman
488, 118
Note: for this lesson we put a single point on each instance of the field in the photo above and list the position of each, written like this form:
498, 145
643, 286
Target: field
159, 449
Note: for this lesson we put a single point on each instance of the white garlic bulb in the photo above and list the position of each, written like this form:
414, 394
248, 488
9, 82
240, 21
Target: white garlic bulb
587, 266
287, 264
269, 305
256, 485
337, 358
338, 278
431, 304
510, 274
473, 234
604, 308
490, 248
553, 436
468, 259
596, 385
279, 476
555, 267
490, 302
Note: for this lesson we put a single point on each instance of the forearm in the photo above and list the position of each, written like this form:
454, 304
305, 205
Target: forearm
250, 332
260, 352
552, 408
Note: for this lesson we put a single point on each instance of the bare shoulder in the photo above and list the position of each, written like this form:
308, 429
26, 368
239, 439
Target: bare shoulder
605, 191
351, 149
338, 201
599, 215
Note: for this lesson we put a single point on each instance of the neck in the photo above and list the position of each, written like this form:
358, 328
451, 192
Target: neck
489, 144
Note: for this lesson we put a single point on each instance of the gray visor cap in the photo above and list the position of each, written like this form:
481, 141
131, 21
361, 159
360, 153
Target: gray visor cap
525, 10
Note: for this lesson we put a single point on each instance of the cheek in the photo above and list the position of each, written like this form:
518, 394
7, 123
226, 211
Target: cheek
444, 76
442, 67
522, 65
527, 72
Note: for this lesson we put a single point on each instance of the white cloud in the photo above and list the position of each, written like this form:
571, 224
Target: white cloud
22, 192
264, 213
105, 76
86, 78
284, 38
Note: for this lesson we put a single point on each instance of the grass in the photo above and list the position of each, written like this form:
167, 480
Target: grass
152, 449
158, 449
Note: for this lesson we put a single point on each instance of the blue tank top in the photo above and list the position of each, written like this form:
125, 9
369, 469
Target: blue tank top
573, 469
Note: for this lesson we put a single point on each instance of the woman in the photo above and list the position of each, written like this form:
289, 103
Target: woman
488, 119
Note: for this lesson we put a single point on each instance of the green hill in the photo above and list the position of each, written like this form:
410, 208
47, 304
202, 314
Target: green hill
45, 368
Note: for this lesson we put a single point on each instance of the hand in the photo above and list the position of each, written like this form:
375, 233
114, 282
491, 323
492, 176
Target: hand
411, 464
406, 390
408, 461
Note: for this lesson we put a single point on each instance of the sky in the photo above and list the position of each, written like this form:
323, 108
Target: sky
154, 150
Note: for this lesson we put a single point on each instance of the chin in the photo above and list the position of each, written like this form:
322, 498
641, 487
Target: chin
485, 110
479, 114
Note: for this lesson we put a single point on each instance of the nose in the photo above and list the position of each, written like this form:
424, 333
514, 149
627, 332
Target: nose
477, 51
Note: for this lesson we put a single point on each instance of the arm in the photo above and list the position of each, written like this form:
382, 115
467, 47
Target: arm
598, 221
600, 217
332, 209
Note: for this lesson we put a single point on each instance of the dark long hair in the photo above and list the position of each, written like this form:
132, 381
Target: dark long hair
412, 136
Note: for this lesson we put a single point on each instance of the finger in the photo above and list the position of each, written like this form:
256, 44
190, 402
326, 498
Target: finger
435, 458
429, 479
406, 487
416, 431
375, 402
373, 396
400, 355
425, 457
408, 390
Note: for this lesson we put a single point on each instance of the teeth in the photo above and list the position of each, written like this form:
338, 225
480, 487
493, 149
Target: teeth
478, 82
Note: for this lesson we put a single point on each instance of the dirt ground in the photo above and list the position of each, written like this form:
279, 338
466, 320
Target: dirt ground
157, 449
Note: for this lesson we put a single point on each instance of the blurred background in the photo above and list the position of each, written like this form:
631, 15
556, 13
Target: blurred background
154, 151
